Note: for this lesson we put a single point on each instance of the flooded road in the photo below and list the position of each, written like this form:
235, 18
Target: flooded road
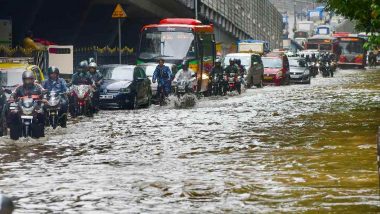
295, 148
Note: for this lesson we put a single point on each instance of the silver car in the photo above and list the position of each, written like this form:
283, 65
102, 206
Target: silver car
149, 68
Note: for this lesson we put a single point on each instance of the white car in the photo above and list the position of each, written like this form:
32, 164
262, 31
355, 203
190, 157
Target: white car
149, 68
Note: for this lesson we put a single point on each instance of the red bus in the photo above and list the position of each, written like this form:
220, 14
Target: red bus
351, 51
178, 39
323, 44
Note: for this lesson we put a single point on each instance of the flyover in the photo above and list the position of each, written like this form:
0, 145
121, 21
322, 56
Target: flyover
89, 22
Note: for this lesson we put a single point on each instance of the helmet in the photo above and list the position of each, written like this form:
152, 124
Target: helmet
185, 63
218, 61
232, 60
52, 69
238, 61
91, 60
92, 65
28, 78
302, 55
83, 66
313, 55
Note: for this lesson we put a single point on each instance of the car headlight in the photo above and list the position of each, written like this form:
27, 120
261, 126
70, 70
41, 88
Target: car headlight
125, 90
279, 74
306, 72
27, 111
317, 65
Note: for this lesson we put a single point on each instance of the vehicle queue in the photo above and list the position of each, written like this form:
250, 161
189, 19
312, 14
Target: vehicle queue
184, 65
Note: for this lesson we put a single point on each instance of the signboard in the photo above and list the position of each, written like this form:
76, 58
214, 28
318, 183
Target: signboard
119, 12
62, 57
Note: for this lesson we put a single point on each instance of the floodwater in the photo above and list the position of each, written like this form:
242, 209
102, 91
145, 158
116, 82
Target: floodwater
299, 148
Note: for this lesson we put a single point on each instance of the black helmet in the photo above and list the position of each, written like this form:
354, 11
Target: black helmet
313, 55
238, 61
302, 55
53, 69
232, 60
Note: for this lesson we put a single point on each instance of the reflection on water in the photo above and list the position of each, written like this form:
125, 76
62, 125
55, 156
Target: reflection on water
290, 149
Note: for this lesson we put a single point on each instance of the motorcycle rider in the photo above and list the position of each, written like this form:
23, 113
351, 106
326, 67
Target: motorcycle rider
218, 70
58, 85
82, 77
162, 74
233, 69
184, 74
28, 88
313, 58
97, 79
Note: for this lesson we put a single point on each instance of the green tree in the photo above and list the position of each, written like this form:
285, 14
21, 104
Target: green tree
365, 13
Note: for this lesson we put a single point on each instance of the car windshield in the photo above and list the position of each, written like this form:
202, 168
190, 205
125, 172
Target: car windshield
168, 45
245, 60
149, 70
272, 62
294, 62
118, 73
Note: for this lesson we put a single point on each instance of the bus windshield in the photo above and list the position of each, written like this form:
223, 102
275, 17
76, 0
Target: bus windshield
351, 47
167, 45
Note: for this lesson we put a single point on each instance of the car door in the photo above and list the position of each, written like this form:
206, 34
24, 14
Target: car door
138, 84
145, 90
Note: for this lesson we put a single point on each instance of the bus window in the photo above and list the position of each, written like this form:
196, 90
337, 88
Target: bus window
312, 46
325, 47
351, 47
207, 44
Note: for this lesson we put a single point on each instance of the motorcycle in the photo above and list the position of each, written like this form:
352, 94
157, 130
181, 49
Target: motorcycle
27, 109
184, 86
218, 85
313, 69
233, 82
52, 107
81, 100
325, 69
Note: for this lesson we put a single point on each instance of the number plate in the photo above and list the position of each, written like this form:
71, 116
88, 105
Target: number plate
27, 117
106, 97
295, 76
268, 78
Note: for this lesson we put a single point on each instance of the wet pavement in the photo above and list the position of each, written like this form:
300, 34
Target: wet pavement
295, 148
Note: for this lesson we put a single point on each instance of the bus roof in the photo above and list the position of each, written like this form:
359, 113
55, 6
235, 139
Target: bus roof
194, 24
321, 37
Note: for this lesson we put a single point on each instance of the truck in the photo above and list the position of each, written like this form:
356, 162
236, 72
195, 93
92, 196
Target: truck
6, 33
253, 46
306, 26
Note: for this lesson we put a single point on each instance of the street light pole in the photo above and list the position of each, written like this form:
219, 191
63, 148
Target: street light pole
196, 9
295, 17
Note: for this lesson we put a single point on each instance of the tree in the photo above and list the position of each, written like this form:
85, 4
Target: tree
365, 13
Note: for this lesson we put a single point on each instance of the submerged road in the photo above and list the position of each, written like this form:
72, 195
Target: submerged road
294, 148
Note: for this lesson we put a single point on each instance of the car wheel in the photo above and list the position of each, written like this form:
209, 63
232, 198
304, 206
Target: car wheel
134, 103
260, 85
149, 102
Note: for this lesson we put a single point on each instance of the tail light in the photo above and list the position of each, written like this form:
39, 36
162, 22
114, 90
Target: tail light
359, 59
342, 59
